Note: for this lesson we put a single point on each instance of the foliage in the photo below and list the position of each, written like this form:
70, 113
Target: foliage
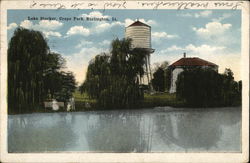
26, 64
161, 77
54, 64
114, 79
67, 86
201, 87
34, 73
158, 80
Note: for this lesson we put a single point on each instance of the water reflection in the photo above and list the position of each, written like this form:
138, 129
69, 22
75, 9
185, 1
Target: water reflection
196, 131
127, 131
116, 133
189, 131
26, 134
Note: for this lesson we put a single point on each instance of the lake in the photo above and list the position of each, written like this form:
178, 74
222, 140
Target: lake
162, 129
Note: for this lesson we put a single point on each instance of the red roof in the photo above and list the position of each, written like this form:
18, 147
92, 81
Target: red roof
192, 62
138, 23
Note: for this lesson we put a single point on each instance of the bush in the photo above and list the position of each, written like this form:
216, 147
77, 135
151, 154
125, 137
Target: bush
205, 88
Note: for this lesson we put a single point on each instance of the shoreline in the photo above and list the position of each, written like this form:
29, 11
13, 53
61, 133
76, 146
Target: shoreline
166, 109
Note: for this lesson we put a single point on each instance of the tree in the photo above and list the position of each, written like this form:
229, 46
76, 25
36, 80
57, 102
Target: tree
114, 79
205, 87
158, 81
27, 54
67, 86
34, 73
98, 76
54, 64
161, 77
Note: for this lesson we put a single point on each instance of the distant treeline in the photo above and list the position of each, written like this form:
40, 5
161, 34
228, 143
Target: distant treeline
34, 73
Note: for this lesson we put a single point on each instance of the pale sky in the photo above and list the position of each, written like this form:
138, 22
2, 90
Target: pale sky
213, 35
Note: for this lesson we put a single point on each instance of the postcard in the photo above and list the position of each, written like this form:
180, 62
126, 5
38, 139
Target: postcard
124, 81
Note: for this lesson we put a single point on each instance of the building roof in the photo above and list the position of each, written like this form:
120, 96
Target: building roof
138, 23
195, 61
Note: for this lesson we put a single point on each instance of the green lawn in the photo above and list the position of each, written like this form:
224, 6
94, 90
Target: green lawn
81, 100
154, 100
161, 99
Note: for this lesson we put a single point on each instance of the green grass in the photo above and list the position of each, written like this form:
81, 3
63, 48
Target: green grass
81, 100
82, 97
154, 100
161, 99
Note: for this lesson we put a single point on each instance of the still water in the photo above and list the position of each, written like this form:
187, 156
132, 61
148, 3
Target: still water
162, 129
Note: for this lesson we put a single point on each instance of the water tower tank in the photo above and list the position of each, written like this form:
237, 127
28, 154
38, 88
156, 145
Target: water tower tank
140, 34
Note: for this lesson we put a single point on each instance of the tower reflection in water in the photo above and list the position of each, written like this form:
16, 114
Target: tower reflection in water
157, 130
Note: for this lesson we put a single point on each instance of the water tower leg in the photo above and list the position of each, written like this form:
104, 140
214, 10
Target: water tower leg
149, 67
146, 64
150, 75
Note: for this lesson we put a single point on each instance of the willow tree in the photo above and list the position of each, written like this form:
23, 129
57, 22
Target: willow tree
27, 54
34, 73
114, 79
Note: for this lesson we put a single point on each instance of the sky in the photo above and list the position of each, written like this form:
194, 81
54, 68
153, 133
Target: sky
213, 35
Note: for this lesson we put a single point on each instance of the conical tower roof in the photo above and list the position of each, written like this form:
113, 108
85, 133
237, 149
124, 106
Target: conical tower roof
138, 23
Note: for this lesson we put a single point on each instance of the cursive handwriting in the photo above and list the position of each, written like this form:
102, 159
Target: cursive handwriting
233, 5
117, 5
179, 5
76, 5
48, 5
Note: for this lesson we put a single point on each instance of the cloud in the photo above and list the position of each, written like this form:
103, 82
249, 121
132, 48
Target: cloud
185, 15
51, 33
203, 49
96, 14
50, 25
47, 27
101, 27
212, 30
78, 30
78, 62
174, 48
220, 55
104, 26
162, 35
148, 22
44, 25
202, 14
27, 24
128, 22
83, 43
224, 16
12, 26
159, 37
105, 42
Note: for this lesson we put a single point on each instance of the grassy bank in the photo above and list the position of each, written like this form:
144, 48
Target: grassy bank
83, 102
154, 100
161, 99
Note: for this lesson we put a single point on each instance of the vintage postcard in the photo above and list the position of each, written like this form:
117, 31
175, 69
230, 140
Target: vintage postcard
124, 81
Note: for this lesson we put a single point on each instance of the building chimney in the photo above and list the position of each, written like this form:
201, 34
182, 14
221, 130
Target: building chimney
184, 55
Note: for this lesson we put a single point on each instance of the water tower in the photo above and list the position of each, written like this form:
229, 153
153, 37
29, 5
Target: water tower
140, 33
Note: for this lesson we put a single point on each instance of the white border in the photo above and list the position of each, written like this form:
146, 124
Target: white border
123, 157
